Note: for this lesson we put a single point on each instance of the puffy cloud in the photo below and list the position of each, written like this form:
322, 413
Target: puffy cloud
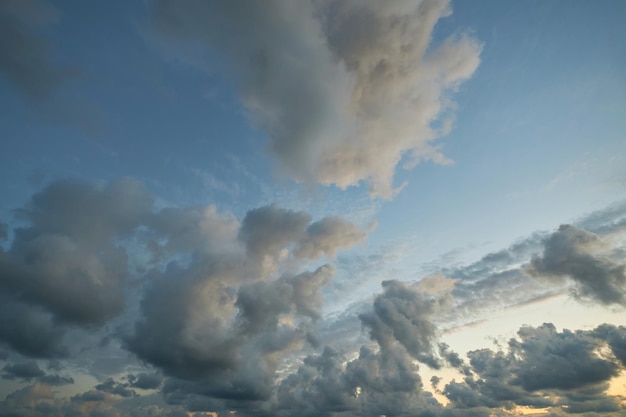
65, 261
544, 368
344, 89
563, 360
69, 266
576, 253
64, 268
268, 230
403, 314
324, 237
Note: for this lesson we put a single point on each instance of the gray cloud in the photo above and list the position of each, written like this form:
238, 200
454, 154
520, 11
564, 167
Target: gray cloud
146, 381
116, 388
25, 56
29, 329
24, 370
64, 269
344, 89
403, 314
56, 380
542, 362
577, 254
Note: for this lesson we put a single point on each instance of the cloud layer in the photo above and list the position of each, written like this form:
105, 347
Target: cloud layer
222, 314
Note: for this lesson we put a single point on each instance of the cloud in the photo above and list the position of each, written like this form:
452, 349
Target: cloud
544, 368
146, 381
116, 388
25, 56
29, 329
324, 237
403, 314
344, 89
63, 268
69, 265
25, 370
226, 314
268, 230
56, 380
577, 254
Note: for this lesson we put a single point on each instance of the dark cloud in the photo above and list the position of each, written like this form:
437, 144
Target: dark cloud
89, 396
563, 360
578, 254
615, 337
56, 380
65, 261
24, 370
146, 381
370, 385
27, 371
29, 329
541, 362
188, 330
116, 388
340, 104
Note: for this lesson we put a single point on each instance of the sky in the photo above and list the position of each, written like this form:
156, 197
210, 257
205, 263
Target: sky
332, 208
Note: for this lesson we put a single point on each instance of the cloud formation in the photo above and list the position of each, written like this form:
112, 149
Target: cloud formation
581, 256
69, 265
344, 89
222, 314
544, 368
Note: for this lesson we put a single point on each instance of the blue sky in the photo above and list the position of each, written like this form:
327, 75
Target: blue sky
226, 175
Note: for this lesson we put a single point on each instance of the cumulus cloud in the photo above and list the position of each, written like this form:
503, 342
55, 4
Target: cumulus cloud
68, 266
268, 230
403, 314
63, 268
324, 237
344, 89
542, 362
225, 312
581, 256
